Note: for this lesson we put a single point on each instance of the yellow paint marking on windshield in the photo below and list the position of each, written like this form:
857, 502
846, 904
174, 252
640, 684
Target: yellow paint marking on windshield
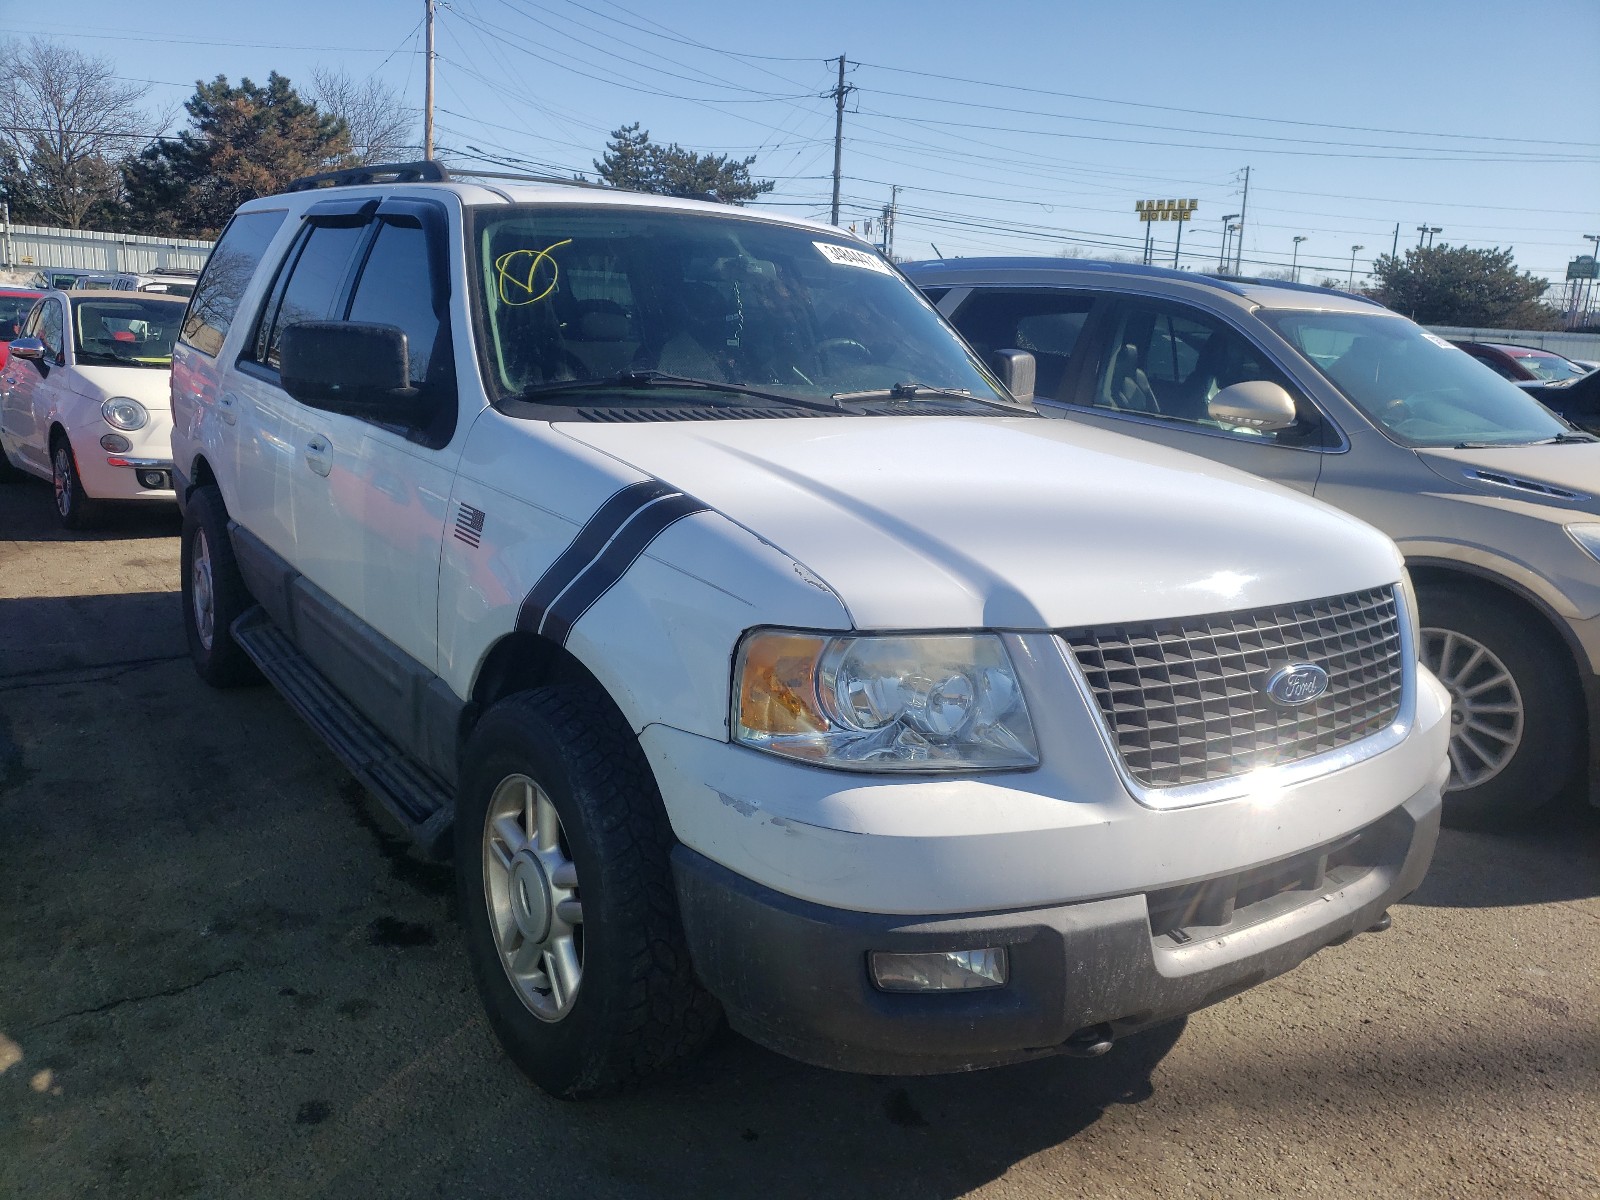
518, 271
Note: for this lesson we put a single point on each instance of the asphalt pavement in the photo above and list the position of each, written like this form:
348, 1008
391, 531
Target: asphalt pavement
221, 975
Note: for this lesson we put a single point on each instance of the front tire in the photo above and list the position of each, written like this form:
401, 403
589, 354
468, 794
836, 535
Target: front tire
75, 509
1516, 734
565, 888
214, 593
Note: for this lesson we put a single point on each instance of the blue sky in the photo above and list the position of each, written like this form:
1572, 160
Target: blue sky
1010, 127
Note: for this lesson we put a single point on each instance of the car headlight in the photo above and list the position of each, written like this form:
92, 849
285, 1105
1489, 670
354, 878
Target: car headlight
873, 702
123, 412
1587, 535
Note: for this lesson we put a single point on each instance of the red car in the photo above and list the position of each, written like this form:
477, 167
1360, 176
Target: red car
1520, 363
15, 304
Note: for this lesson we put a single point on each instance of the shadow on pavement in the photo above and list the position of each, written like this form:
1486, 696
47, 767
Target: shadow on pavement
28, 514
751, 1123
62, 633
1554, 857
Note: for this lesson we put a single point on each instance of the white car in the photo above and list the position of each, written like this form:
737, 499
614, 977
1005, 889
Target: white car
680, 570
85, 399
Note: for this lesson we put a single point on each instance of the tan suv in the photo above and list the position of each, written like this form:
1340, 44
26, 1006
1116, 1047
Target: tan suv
1491, 497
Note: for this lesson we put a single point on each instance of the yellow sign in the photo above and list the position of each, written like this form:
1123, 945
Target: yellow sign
1165, 210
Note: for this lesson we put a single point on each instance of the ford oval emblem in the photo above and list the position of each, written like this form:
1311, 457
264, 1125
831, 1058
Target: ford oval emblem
1296, 684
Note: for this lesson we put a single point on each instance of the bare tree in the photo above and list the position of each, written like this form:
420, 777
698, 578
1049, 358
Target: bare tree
66, 121
382, 126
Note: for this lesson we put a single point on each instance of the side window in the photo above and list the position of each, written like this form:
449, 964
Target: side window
310, 285
1044, 323
51, 326
395, 289
221, 286
1168, 361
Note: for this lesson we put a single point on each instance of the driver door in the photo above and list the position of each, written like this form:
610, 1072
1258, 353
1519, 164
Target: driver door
1157, 364
24, 420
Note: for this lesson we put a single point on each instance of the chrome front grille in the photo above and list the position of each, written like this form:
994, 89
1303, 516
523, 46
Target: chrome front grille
1185, 700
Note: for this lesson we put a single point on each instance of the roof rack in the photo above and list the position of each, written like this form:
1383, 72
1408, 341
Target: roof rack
461, 173
424, 171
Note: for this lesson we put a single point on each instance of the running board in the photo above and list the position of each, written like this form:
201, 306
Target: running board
413, 796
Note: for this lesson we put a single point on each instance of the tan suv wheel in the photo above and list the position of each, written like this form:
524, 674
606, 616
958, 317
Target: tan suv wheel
1515, 728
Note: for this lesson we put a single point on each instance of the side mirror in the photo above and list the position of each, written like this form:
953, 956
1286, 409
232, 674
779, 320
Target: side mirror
349, 367
1254, 404
1016, 370
30, 348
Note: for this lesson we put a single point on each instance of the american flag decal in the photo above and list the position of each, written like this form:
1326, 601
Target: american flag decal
469, 525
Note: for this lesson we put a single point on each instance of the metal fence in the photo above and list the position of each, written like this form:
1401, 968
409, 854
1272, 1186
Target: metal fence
1572, 345
25, 248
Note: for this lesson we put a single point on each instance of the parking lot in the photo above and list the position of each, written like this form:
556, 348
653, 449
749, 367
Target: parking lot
221, 975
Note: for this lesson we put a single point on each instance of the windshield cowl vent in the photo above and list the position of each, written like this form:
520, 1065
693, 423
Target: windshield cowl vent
1516, 483
624, 414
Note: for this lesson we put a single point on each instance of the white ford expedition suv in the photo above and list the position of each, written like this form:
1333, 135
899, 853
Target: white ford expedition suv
679, 570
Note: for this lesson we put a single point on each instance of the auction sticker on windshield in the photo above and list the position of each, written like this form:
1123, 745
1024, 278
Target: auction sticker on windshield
847, 256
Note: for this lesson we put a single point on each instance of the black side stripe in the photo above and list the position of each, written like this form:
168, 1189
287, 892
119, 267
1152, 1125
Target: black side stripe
612, 565
596, 532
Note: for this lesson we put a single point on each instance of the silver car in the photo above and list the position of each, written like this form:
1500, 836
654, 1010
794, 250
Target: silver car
1494, 500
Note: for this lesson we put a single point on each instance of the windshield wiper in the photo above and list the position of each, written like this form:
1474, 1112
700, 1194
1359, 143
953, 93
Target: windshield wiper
1560, 439
648, 379
919, 391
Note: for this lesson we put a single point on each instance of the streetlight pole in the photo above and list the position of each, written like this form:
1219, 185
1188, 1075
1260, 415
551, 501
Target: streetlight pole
1294, 263
1222, 262
1588, 287
1350, 284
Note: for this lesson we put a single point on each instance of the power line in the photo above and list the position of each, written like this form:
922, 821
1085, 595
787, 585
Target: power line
1201, 112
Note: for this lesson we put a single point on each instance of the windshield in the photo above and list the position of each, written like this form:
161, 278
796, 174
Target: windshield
13, 312
1417, 386
577, 297
1548, 367
125, 332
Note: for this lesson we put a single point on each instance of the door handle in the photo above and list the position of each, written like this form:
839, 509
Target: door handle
319, 455
227, 407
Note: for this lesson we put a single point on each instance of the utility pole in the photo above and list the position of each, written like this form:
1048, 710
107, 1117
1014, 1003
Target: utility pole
427, 119
839, 93
889, 215
1394, 250
1244, 207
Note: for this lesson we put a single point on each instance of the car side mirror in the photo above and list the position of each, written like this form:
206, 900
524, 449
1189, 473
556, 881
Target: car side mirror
30, 348
1254, 404
1016, 369
351, 367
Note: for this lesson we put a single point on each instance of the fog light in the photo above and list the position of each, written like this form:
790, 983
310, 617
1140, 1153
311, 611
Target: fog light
153, 479
939, 971
115, 443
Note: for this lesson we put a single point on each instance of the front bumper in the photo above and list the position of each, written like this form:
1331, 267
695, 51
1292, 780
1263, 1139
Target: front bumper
793, 975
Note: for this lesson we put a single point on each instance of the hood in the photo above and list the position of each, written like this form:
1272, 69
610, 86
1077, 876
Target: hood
972, 522
1568, 475
150, 386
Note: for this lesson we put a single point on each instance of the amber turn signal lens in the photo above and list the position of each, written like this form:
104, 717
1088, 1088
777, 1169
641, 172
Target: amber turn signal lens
778, 684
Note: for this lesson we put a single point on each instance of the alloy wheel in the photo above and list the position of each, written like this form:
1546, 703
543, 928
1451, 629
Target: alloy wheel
202, 596
530, 885
1487, 712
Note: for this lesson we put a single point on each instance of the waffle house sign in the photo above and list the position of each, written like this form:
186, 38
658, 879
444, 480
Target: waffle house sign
1165, 210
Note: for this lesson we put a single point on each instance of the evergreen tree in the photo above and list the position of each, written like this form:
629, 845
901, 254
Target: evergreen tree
243, 142
1452, 285
633, 161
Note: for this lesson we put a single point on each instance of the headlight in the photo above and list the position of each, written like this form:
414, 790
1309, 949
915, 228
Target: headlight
124, 413
931, 702
1587, 536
